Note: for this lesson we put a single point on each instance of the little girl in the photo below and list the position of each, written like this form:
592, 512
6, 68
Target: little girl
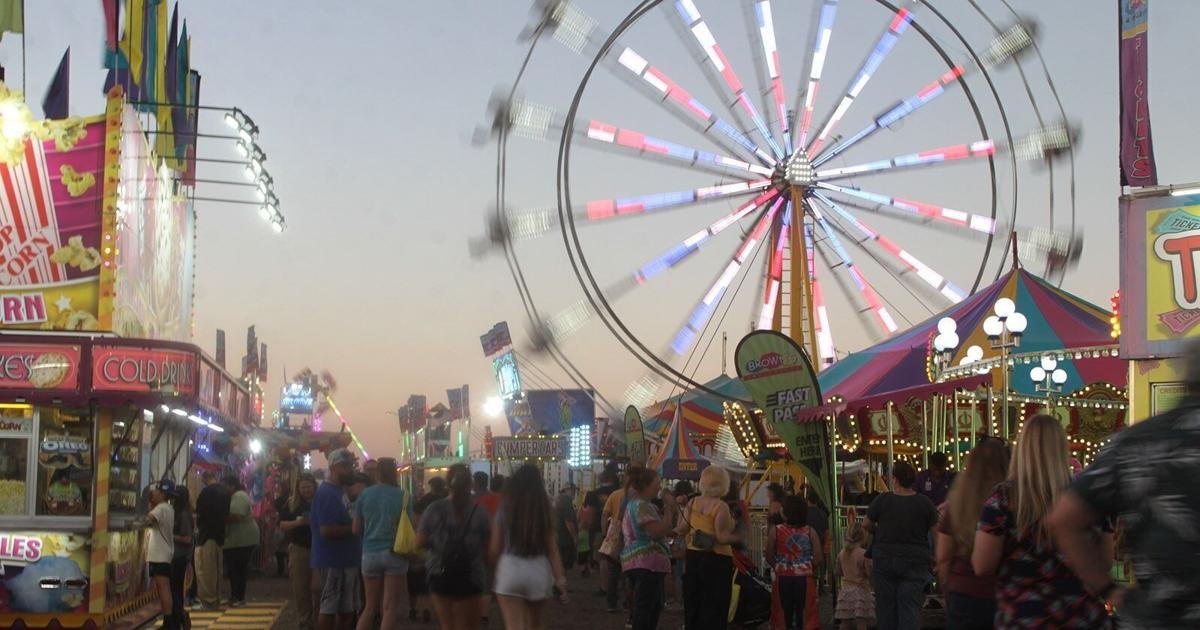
796, 548
855, 602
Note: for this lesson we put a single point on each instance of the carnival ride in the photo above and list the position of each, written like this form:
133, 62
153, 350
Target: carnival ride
806, 182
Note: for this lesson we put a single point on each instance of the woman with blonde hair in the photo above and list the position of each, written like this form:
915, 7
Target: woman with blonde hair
1035, 588
708, 568
970, 599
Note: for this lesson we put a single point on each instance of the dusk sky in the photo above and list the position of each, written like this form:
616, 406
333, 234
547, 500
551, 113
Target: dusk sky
367, 110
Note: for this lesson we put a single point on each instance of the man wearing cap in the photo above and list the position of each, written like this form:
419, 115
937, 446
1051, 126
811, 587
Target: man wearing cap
335, 549
212, 509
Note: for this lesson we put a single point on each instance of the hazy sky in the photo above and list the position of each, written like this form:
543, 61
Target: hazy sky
366, 110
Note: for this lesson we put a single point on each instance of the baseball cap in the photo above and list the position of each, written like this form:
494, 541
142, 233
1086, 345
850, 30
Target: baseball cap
342, 456
166, 485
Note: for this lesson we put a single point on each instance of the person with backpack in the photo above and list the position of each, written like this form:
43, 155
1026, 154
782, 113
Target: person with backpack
455, 532
525, 549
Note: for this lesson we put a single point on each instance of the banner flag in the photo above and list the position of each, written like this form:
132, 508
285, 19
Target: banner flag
220, 354
635, 438
780, 377
1137, 146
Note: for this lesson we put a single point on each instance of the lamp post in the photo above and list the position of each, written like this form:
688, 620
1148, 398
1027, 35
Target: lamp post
1049, 378
1004, 330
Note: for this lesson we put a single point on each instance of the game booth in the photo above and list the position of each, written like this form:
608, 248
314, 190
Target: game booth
86, 423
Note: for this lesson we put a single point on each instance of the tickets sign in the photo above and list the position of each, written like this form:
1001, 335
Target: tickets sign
779, 375
142, 370
1160, 275
33, 366
529, 448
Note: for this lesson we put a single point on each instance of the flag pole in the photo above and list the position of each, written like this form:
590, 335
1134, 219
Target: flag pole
24, 36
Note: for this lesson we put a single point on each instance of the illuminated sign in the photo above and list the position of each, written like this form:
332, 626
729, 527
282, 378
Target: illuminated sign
504, 368
529, 448
39, 367
141, 370
1160, 275
579, 447
296, 398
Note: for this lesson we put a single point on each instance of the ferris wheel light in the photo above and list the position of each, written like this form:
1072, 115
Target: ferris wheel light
1037, 374
947, 325
1059, 376
1005, 307
1049, 363
1016, 323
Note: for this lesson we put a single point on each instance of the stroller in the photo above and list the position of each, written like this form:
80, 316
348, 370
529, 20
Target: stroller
753, 594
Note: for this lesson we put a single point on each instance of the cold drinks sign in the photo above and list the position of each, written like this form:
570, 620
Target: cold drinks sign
141, 370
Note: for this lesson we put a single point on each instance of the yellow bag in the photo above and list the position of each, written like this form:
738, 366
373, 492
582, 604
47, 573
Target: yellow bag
406, 537
735, 594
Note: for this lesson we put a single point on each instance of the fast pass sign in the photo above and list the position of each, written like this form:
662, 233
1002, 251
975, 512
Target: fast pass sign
777, 372
1160, 275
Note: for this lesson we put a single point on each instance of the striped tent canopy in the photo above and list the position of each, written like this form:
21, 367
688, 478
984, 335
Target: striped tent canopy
678, 458
1058, 321
703, 413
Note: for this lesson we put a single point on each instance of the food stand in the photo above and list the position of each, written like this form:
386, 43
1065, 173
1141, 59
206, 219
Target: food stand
86, 422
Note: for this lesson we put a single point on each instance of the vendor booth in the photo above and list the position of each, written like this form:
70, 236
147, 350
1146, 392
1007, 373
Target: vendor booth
87, 422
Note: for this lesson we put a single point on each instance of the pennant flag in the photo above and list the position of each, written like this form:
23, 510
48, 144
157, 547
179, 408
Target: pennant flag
154, 27
133, 46
262, 363
111, 34
220, 352
181, 114
1137, 145
164, 142
12, 16
58, 96
193, 99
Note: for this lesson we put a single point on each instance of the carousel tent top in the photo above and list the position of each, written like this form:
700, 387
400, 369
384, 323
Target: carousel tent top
1057, 320
703, 413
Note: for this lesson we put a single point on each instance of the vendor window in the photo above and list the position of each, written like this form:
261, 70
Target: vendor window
16, 433
65, 466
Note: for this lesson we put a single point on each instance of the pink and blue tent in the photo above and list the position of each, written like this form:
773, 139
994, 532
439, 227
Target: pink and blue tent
1058, 321
678, 458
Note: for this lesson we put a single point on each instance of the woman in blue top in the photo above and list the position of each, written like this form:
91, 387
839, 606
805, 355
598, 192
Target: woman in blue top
376, 516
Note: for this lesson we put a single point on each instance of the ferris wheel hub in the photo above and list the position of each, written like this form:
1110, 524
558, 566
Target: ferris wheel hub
798, 171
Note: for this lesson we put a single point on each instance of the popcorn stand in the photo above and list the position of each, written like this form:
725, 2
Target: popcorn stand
100, 389
86, 422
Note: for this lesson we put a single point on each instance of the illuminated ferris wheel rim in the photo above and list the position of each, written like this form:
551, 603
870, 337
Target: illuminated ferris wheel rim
783, 170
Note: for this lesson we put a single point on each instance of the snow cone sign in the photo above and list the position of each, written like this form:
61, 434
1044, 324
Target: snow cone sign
42, 572
780, 377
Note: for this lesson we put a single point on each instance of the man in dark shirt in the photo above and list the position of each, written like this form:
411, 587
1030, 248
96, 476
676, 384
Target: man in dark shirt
212, 508
1149, 477
934, 482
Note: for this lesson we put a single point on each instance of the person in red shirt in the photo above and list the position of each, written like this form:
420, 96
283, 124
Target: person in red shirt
488, 497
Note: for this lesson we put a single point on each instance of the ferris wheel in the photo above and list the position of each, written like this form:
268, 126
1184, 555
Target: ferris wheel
877, 167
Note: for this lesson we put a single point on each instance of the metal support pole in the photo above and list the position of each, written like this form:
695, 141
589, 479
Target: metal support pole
925, 428
955, 433
1004, 377
890, 447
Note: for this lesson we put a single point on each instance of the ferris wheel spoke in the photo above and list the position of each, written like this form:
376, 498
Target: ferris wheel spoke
932, 157
906, 260
535, 223
579, 32
762, 22
925, 212
1004, 47
696, 34
882, 316
887, 41
816, 68
774, 284
698, 320
827, 353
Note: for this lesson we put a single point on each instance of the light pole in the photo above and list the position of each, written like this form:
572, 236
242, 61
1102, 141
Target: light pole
1004, 330
1049, 378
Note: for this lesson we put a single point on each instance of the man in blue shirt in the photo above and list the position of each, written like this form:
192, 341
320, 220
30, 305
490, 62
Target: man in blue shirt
335, 549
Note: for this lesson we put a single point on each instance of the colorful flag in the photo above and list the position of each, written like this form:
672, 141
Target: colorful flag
193, 99
181, 115
262, 363
496, 339
220, 354
133, 44
454, 397
12, 16
58, 96
154, 27
164, 141
1137, 147
111, 31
